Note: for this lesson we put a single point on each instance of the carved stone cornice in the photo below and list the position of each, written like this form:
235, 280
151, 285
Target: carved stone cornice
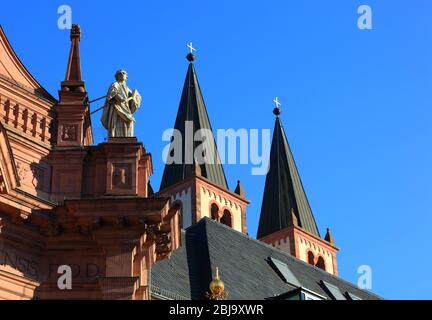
163, 246
152, 231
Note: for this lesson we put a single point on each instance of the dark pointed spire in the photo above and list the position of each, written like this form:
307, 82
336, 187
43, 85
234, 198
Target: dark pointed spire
239, 190
73, 80
284, 201
329, 237
192, 111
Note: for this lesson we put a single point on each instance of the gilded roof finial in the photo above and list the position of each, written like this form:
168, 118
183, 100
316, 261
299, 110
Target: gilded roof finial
217, 288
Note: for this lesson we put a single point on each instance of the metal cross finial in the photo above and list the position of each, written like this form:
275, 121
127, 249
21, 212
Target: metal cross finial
276, 102
277, 110
191, 48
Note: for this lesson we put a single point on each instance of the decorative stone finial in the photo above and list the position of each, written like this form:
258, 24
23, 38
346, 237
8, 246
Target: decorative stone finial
73, 80
75, 32
277, 110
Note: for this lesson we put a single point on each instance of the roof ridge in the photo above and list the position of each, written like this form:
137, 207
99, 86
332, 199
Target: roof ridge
220, 225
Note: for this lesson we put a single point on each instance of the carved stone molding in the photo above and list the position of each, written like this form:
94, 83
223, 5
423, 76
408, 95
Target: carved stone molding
22, 170
152, 231
69, 132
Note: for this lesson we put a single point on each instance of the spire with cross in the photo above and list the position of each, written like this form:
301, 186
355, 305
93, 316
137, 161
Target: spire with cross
191, 56
277, 110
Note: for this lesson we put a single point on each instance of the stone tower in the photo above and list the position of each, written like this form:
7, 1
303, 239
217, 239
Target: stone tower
199, 188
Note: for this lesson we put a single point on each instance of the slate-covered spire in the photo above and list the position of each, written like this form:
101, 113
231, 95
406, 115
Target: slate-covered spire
192, 114
284, 195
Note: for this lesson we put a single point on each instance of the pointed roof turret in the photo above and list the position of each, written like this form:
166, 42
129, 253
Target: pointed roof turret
239, 190
191, 117
284, 196
329, 237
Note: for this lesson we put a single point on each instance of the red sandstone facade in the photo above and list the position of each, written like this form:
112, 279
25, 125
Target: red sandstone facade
306, 247
205, 196
64, 201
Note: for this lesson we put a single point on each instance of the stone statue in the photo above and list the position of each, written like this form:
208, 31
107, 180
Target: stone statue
120, 105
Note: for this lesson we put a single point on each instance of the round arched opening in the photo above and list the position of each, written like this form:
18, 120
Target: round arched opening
226, 218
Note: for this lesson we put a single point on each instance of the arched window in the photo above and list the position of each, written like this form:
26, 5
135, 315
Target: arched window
311, 258
214, 210
320, 263
226, 218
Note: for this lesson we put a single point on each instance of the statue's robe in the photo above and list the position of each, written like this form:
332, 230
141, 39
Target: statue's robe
117, 117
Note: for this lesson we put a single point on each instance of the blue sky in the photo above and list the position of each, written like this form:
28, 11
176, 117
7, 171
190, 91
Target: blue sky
356, 103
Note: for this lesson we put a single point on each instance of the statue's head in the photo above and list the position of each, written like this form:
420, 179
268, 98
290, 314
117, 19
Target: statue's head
121, 75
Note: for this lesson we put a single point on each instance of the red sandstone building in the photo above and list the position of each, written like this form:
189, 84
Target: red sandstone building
67, 202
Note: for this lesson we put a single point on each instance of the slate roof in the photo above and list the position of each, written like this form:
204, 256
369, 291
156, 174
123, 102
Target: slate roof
244, 268
284, 191
193, 109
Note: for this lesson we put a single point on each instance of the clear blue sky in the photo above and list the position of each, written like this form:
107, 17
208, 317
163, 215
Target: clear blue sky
356, 104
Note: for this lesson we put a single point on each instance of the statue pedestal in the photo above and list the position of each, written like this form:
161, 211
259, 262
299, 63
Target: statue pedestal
128, 167
118, 167
127, 140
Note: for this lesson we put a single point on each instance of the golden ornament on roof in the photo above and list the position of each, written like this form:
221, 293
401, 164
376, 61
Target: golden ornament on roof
217, 288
